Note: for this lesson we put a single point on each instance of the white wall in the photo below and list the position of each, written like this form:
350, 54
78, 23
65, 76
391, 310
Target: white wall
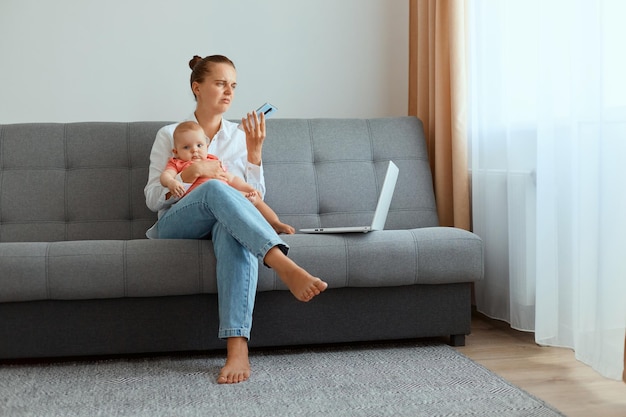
126, 60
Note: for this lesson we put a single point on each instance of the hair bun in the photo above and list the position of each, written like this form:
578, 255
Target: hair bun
194, 61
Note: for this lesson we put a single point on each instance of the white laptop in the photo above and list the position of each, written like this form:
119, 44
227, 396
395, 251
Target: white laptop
382, 208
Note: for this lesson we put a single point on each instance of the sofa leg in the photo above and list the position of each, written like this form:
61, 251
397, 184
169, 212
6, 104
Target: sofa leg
457, 340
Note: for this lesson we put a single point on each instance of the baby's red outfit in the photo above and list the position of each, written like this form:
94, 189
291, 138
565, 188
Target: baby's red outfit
179, 165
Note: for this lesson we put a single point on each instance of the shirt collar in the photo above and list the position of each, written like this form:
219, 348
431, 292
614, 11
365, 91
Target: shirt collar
226, 127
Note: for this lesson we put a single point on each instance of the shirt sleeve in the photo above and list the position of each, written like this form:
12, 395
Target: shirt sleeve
231, 148
254, 177
159, 156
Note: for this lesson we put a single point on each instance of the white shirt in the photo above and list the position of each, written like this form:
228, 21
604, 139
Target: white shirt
229, 145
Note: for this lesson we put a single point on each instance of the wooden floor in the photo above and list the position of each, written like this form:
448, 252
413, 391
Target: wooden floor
551, 374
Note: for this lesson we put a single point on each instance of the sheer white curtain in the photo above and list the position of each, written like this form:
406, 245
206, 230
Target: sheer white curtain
548, 144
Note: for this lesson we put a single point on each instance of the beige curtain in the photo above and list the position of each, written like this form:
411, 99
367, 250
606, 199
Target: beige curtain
438, 96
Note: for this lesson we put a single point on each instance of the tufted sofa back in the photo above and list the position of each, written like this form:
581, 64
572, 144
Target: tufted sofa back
328, 172
75, 181
84, 181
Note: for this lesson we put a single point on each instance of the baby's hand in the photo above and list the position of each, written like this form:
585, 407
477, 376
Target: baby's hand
252, 196
177, 189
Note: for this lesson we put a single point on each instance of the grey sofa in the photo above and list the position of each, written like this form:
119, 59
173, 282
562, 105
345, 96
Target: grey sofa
78, 277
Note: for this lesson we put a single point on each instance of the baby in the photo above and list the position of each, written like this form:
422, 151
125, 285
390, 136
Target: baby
190, 146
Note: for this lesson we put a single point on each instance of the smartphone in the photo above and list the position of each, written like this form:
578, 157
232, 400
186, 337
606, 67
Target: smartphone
267, 109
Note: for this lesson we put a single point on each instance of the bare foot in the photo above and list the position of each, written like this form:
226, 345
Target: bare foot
302, 285
284, 228
237, 367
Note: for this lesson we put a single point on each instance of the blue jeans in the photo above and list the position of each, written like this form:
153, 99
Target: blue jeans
240, 235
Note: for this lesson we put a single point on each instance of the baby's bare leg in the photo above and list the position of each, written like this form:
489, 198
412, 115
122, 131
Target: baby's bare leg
269, 214
285, 228
272, 218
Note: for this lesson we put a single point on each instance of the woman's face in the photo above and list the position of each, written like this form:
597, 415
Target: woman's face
217, 90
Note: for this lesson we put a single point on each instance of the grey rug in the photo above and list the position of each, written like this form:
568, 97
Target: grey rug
401, 379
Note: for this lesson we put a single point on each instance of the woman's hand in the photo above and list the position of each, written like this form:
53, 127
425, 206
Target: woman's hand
254, 127
211, 169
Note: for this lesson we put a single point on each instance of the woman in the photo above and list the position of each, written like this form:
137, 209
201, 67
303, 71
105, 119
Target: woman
214, 210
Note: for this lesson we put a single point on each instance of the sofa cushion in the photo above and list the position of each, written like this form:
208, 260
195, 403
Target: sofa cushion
150, 268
